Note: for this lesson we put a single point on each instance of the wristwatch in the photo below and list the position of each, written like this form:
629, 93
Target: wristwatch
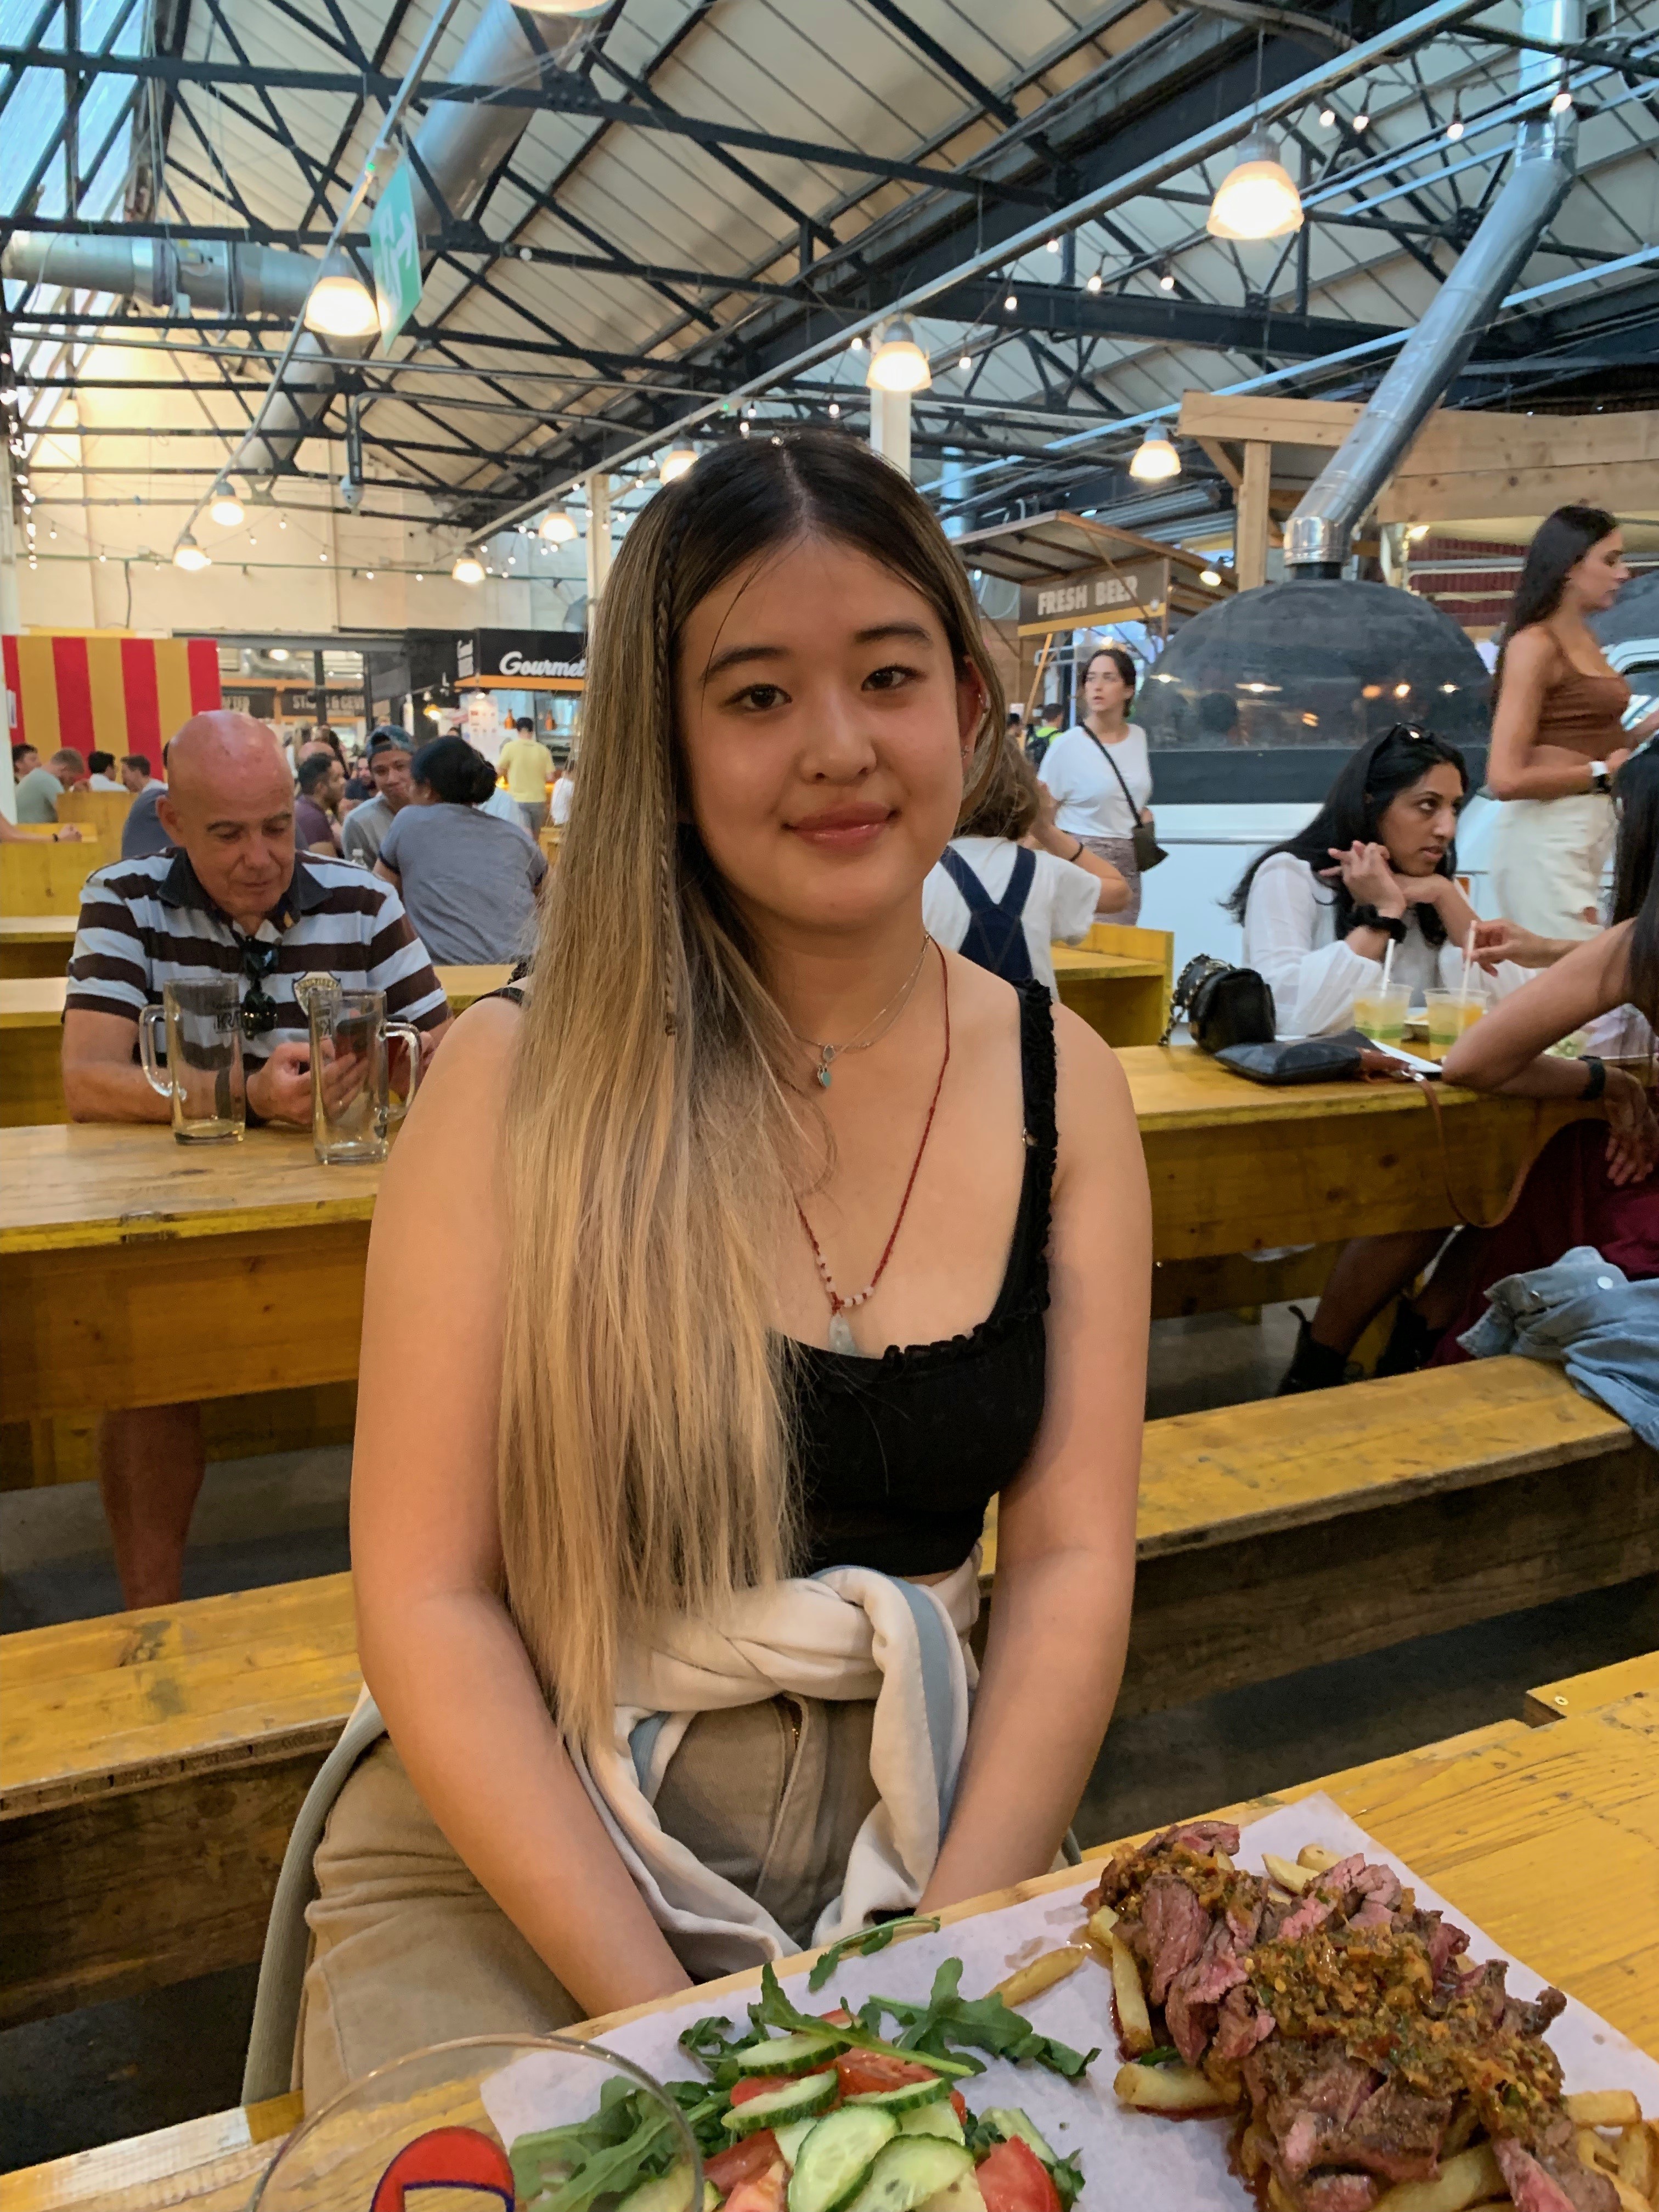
1600, 780
1598, 1078
1391, 925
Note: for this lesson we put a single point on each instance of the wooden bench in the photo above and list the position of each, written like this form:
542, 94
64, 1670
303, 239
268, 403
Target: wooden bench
44, 877
1629, 1680
36, 944
151, 1764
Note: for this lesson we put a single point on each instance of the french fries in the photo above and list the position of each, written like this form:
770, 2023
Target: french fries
1295, 1879
1102, 1922
1471, 2177
1318, 1856
1639, 2158
1172, 2088
1042, 1973
1630, 2160
1603, 2108
1132, 2017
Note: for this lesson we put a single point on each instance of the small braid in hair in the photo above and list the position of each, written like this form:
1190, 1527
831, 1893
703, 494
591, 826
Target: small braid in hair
668, 841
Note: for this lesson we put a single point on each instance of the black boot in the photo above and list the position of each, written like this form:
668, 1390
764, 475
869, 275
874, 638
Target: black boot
1312, 1366
1410, 1342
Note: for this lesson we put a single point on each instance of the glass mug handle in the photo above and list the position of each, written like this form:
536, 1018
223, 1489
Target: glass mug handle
411, 1041
148, 1022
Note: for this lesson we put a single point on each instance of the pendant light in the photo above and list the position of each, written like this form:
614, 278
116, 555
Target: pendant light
468, 569
340, 307
227, 509
1155, 460
188, 554
557, 526
1257, 198
677, 461
898, 363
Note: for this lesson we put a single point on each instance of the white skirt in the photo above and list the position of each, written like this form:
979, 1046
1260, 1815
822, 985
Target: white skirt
1547, 858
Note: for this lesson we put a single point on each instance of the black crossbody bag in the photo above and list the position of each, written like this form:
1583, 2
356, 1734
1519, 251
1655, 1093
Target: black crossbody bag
1148, 851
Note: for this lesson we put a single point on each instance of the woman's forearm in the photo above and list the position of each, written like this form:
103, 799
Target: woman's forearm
1059, 1631
1544, 772
464, 1709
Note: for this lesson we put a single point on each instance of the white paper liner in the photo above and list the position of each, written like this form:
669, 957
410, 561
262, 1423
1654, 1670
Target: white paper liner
1132, 2162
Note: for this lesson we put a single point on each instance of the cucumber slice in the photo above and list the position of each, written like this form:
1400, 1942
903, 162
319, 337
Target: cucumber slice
909, 2171
939, 2118
791, 2134
1009, 2122
962, 2195
908, 2096
836, 2158
669, 2192
791, 2054
797, 2100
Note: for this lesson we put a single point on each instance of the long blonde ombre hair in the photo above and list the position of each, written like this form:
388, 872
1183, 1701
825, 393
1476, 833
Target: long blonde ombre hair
645, 1462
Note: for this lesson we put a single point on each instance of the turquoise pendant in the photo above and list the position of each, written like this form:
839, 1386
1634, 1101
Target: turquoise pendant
823, 1075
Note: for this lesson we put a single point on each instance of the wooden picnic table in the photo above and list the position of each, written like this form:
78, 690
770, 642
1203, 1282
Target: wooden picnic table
1544, 1837
249, 1257
36, 944
1628, 1682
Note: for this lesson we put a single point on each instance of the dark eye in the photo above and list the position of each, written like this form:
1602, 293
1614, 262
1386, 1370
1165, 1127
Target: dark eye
758, 697
889, 678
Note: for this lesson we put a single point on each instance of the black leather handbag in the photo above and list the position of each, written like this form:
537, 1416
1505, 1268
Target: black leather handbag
1149, 853
1224, 1006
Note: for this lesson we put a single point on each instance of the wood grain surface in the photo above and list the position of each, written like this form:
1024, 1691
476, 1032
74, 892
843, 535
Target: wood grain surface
1633, 1683
1546, 1838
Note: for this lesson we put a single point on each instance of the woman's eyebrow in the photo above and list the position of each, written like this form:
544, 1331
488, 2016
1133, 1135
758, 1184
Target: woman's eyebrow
735, 655
914, 631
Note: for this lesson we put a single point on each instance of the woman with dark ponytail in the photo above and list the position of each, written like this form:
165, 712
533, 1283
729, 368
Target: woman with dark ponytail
1557, 742
468, 880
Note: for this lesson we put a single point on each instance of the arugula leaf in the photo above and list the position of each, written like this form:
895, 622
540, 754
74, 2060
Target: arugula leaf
1067, 2174
773, 2009
866, 1942
708, 2040
627, 2141
703, 2110
986, 2023
1167, 2057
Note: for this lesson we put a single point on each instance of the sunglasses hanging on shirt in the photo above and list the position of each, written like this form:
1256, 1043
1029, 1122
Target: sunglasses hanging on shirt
259, 1009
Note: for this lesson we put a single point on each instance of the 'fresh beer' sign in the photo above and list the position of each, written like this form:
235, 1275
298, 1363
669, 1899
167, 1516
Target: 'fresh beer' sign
1128, 592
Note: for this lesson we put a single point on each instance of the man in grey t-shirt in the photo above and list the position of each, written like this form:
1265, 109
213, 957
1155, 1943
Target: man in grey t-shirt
38, 792
469, 881
363, 831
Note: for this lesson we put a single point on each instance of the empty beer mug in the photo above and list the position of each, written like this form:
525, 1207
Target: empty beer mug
202, 1076
351, 1104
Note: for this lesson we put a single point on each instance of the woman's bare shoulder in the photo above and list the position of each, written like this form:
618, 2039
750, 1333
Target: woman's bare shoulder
1093, 1109
464, 1092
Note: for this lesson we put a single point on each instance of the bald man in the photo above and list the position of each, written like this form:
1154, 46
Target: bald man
230, 898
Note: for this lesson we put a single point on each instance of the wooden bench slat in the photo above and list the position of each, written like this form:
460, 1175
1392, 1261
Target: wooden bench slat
112, 1641
1630, 1684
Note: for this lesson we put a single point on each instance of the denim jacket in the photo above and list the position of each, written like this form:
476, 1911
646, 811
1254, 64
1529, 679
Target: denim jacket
1584, 1313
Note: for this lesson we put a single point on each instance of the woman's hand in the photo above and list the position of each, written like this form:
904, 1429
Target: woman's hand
1367, 877
1632, 1131
1495, 942
1639, 732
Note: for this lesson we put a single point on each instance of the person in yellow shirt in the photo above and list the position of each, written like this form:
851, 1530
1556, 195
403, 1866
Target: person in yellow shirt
528, 768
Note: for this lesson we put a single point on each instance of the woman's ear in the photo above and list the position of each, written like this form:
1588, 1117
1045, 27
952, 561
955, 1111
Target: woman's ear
970, 711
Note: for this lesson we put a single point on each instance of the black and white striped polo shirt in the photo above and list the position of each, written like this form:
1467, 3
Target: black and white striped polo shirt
147, 923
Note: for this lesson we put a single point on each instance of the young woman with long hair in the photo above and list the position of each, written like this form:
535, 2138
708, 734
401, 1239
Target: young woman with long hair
1376, 863
1557, 741
627, 1232
1100, 773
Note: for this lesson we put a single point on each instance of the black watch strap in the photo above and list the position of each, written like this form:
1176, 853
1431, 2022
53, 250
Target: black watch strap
1596, 1087
1391, 925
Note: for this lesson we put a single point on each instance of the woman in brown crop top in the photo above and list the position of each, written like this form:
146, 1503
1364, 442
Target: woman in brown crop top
1557, 739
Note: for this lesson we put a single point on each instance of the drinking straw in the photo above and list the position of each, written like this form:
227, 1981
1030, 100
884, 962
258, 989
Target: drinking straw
1387, 963
1468, 963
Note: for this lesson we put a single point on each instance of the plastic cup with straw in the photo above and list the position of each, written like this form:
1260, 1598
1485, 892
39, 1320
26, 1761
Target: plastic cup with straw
1392, 1001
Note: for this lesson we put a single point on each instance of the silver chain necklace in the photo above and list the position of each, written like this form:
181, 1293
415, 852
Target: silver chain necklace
861, 1040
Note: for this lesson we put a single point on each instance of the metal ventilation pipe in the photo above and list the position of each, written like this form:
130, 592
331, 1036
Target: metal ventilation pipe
1320, 533
460, 143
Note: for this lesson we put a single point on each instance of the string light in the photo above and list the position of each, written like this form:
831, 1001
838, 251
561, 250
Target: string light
1166, 282
1455, 128
835, 410
1327, 118
1054, 245
1362, 120
855, 344
1561, 103
965, 363
1093, 283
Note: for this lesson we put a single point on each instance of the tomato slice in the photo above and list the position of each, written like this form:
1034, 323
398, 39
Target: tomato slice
839, 2018
754, 2085
1014, 2178
862, 2071
761, 2192
959, 2106
743, 2161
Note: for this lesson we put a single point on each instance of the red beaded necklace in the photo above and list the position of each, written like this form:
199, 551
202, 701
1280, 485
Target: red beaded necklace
841, 1334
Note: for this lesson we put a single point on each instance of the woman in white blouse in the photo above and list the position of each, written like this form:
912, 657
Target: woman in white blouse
1375, 865
1099, 772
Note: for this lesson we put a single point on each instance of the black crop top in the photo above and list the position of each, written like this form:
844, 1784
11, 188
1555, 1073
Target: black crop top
900, 1456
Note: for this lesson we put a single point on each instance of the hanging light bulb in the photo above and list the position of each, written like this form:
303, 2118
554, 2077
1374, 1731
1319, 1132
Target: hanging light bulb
1166, 282
855, 344
188, 554
1561, 103
468, 569
679, 461
1155, 460
965, 362
342, 306
1327, 118
227, 509
1054, 245
1210, 576
1362, 120
835, 410
557, 527
1455, 128
1011, 303
1093, 283
898, 363
1256, 198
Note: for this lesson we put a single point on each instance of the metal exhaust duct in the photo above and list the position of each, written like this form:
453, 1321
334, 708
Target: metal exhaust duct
1320, 533
460, 145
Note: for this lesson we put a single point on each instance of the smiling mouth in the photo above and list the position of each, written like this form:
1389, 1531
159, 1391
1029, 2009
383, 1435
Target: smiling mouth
847, 830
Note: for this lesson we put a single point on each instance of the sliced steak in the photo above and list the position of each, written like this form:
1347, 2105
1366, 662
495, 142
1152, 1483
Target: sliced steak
1373, 1913
1197, 1990
1380, 1884
1312, 1911
1534, 2189
1173, 1928
1522, 2018
1395, 2133
1240, 2025
1286, 2080
1338, 2193
1445, 1940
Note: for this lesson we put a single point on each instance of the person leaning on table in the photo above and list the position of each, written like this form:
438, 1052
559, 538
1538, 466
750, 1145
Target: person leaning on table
233, 900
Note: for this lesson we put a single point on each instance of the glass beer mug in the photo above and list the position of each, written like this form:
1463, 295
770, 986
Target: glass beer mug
202, 1076
351, 1104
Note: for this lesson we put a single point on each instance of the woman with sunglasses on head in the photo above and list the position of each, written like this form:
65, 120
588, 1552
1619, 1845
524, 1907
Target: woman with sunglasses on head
1374, 868
1557, 740
1100, 774
766, 1238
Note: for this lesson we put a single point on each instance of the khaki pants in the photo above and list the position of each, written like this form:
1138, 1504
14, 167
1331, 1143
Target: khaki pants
1546, 857
408, 1949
